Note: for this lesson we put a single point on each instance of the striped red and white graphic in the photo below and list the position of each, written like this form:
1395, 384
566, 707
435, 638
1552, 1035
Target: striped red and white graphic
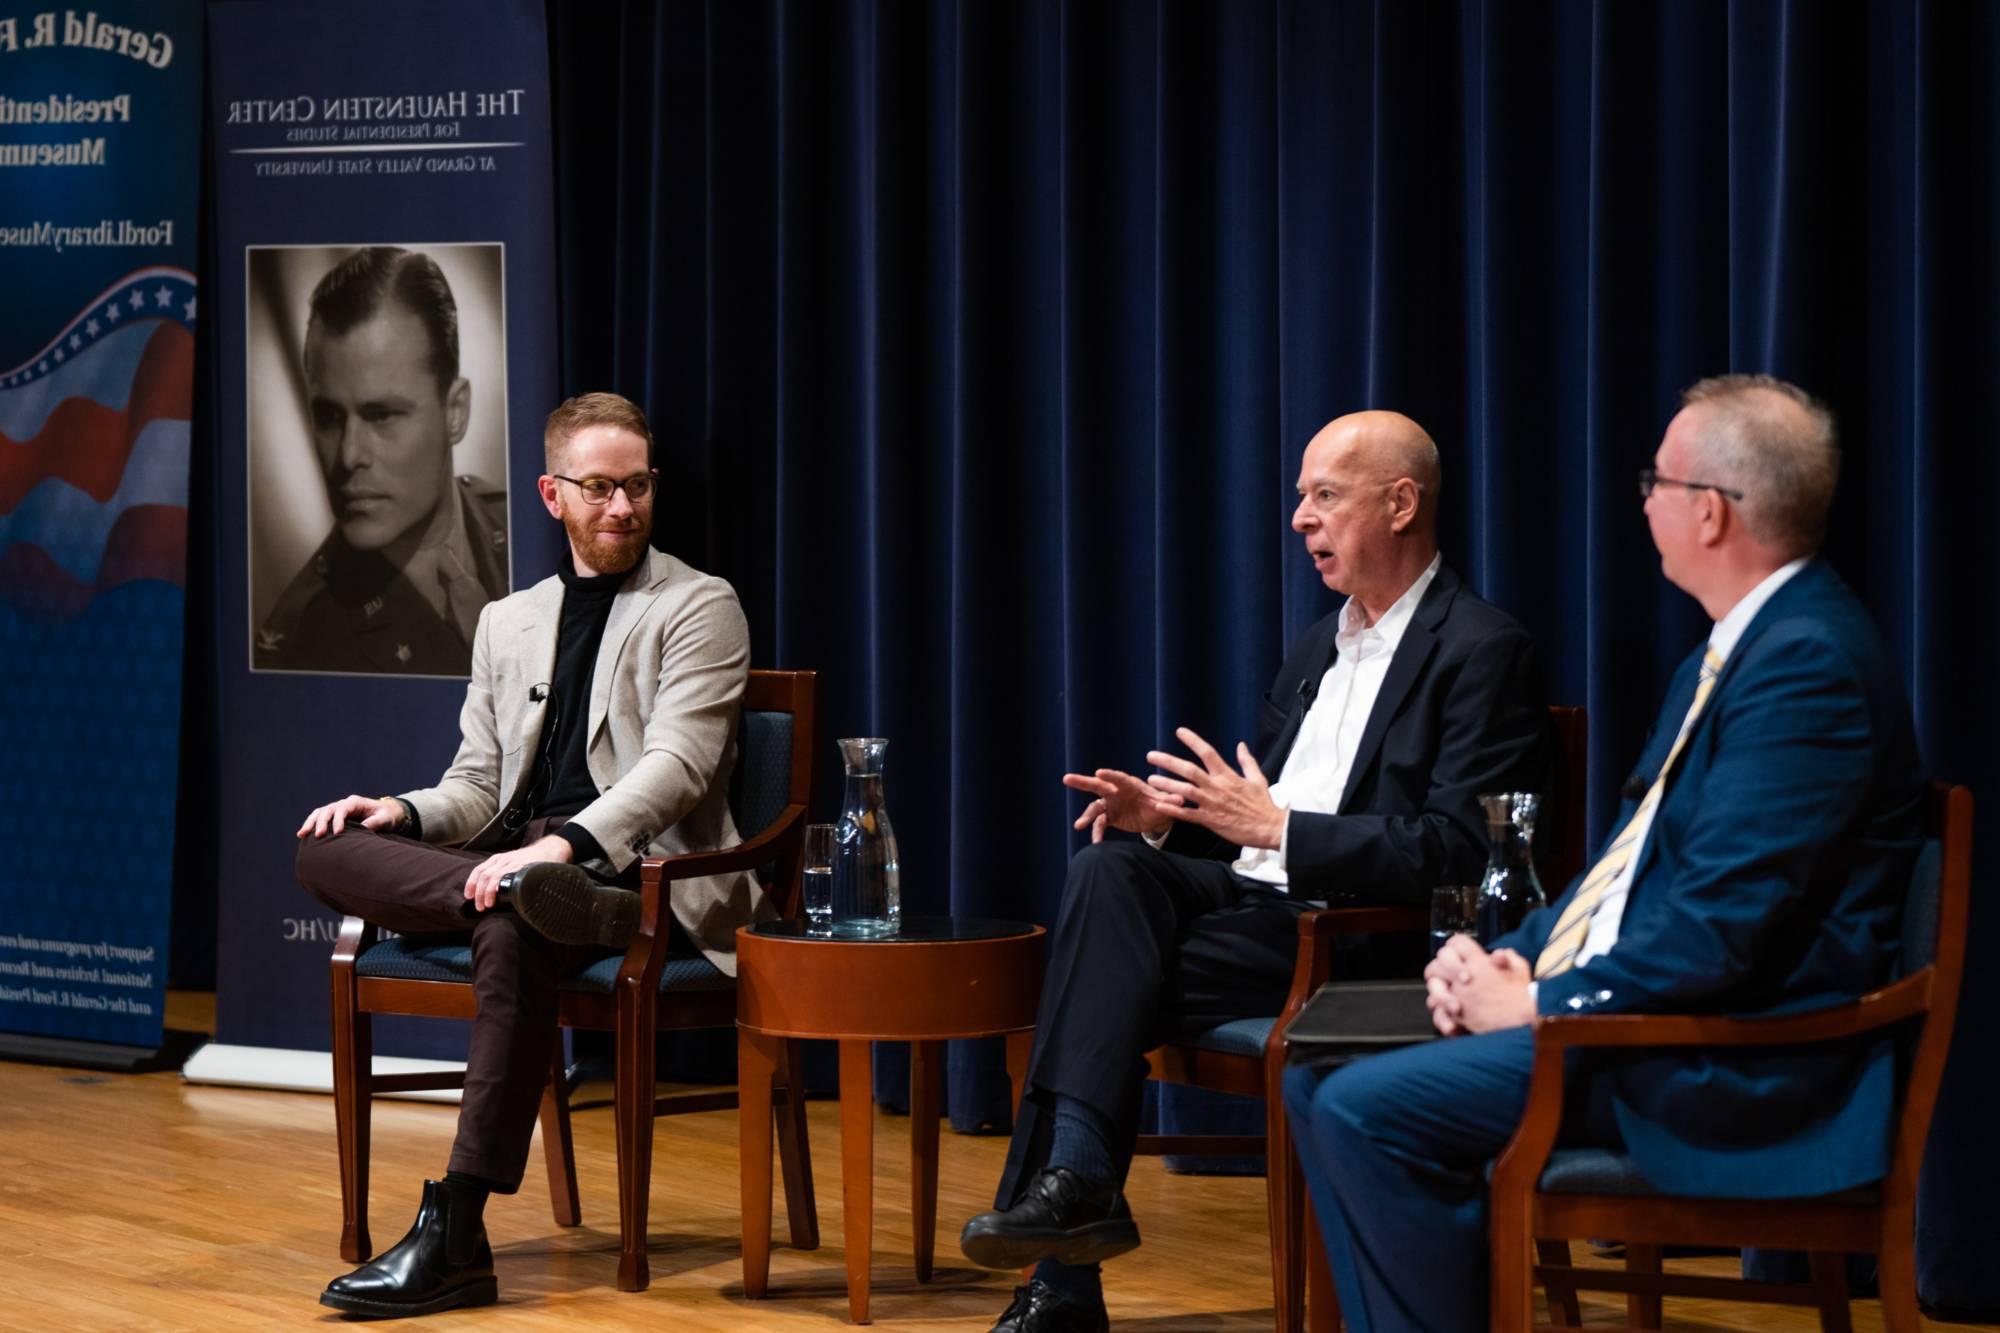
94, 449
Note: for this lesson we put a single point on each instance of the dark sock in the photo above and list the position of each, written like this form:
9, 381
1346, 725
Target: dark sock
1080, 1282
1082, 1141
470, 1191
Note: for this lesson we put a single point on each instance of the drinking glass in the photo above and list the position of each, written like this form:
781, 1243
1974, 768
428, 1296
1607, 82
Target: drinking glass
817, 881
1454, 911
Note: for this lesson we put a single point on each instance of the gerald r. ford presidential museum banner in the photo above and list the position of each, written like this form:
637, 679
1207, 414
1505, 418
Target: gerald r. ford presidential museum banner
386, 287
100, 153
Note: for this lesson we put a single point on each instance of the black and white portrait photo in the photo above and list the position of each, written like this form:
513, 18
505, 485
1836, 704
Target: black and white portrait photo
378, 449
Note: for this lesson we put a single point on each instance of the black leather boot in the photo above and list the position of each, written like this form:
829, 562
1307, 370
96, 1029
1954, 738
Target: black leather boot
444, 1262
567, 905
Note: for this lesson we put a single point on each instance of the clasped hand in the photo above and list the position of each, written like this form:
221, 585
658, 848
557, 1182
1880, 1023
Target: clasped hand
1471, 990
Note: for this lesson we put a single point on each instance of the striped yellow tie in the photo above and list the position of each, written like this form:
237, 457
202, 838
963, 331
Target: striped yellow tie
1573, 926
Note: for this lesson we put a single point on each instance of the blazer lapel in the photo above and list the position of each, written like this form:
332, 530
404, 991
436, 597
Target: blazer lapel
626, 609
1413, 653
536, 645
1272, 761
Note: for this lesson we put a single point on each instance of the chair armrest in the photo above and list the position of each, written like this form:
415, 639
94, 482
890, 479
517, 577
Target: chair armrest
356, 937
1314, 966
1520, 1165
786, 829
647, 954
1891, 1004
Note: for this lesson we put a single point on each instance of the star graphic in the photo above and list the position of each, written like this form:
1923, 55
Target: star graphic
138, 299
59, 355
111, 312
45, 365
163, 298
90, 327
190, 310
75, 343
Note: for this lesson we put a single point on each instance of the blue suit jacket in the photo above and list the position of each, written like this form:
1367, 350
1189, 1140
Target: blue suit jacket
1772, 881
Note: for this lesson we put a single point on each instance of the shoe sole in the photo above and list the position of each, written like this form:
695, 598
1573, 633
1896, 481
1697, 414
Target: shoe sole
1092, 1244
482, 1291
568, 908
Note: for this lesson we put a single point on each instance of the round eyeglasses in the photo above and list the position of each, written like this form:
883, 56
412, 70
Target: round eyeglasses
1648, 479
597, 490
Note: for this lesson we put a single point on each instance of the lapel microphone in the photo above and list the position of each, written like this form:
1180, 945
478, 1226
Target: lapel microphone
1308, 690
1635, 788
537, 693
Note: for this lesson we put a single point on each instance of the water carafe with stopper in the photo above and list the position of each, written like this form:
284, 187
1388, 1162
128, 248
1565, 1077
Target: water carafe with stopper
1510, 889
867, 875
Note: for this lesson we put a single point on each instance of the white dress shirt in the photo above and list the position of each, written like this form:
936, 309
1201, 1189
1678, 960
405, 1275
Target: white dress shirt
1603, 930
1322, 757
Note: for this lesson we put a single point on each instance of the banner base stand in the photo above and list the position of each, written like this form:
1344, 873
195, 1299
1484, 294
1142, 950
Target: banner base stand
281, 1070
176, 1045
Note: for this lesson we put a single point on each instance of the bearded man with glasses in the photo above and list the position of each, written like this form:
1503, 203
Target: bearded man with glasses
599, 727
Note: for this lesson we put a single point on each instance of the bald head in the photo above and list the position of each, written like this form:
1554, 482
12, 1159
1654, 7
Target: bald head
1368, 488
1387, 447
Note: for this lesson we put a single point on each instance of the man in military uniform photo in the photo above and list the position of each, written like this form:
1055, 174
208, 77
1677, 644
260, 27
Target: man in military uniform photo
415, 553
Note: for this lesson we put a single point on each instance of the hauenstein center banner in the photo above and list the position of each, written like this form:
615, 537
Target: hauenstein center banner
386, 292
100, 155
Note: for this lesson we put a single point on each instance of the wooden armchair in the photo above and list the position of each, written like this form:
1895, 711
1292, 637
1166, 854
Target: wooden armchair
1247, 1056
1542, 1191
635, 996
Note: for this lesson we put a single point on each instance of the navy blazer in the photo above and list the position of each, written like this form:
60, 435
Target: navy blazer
1461, 712
1772, 881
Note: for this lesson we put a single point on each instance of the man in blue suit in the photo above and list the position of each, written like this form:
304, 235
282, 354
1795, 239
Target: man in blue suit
1756, 867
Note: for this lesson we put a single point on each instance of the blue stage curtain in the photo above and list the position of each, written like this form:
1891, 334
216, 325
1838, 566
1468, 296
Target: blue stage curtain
983, 341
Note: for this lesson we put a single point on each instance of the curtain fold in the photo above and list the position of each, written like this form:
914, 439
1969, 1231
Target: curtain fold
983, 342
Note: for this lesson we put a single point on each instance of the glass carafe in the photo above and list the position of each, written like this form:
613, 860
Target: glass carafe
867, 875
1510, 889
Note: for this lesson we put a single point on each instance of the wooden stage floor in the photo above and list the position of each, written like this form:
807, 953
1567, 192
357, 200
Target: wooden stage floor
144, 1203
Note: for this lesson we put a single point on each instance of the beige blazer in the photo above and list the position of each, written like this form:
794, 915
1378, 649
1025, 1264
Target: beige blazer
664, 707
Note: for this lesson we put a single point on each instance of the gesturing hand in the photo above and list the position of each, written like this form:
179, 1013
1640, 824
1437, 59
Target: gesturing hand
483, 884
1122, 802
367, 811
1236, 807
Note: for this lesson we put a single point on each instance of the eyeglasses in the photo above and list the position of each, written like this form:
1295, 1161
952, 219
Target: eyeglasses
597, 490
1648, 479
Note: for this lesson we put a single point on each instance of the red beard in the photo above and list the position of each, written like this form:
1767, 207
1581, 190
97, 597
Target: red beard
607, 552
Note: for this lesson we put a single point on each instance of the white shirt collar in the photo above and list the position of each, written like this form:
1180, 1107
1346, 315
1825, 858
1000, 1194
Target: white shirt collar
1393, 621
1728, 630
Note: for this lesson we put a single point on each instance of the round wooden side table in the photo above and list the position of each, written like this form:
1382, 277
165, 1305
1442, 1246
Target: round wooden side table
938, 979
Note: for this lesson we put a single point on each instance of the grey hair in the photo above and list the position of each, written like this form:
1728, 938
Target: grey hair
1775, 443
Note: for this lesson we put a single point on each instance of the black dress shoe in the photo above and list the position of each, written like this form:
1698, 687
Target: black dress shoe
570, 907
444, 1262
1059, 1217
1040, 1308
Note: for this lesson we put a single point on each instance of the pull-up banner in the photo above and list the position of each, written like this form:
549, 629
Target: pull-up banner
100, 155
384, 183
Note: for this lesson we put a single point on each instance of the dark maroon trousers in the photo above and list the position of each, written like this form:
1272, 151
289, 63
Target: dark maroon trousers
413, 888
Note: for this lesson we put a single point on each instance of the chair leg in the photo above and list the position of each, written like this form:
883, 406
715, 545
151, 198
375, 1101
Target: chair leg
1829, 1280
558, 1149
1643, 1307
1563, 1309
353, 1079
1896, 1273
1512, 1277
634, 1113
1322, 1304
795, 1149
1284, 1191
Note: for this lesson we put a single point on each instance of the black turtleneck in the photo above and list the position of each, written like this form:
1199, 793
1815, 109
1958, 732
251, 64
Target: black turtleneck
562, 771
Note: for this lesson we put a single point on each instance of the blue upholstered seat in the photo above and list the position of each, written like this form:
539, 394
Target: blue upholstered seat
429, 959
1607, 1171
1239, 1036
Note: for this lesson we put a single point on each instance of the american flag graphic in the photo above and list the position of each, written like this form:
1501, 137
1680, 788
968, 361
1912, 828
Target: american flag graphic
94, 440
